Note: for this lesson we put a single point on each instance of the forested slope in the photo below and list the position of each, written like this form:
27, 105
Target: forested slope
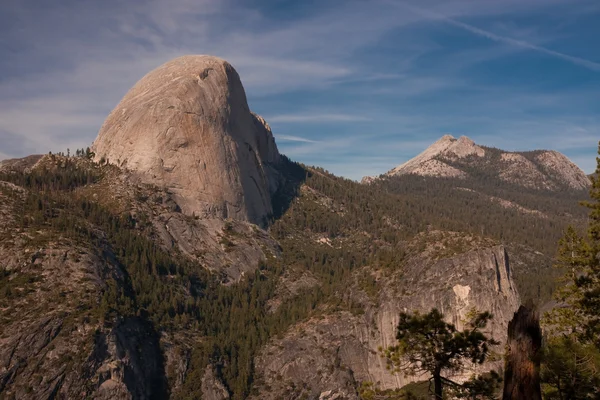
333, 234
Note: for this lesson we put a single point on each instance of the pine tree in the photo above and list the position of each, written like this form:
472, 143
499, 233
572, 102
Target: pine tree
570, 370
589, 281
571, 361
580, 292
428, 344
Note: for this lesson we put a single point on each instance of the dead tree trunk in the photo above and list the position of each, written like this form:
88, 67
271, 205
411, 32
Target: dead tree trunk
522, 373
437, 380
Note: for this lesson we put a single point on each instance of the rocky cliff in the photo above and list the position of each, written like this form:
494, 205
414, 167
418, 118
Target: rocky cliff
52, 344
331, 355
186, 126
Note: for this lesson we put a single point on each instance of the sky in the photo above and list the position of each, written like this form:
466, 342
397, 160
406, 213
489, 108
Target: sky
356, 87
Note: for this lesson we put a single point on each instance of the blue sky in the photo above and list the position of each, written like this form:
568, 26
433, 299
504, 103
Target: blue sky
356, 87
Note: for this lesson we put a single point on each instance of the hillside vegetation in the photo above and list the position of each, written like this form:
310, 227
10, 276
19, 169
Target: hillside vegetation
327, 227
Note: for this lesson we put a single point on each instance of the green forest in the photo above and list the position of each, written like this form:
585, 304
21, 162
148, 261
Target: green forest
175, 294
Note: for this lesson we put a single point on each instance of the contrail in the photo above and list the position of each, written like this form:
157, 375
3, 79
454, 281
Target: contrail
594, 66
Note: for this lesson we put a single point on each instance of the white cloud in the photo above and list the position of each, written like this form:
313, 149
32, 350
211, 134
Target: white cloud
312, 118
310, 152
262, 75
291, 138
89, 70
520, 43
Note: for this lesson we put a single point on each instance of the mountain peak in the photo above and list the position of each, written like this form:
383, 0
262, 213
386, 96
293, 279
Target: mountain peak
186, 126
466, 140
428, 164
446, 138
450, 158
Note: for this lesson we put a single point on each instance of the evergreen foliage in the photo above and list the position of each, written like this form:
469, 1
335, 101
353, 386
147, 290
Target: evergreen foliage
393, 210
473, 206
580, 257
428, 344
484, 387
166, 289
571, 365
570, 369
175, 294
465, 206
371, 223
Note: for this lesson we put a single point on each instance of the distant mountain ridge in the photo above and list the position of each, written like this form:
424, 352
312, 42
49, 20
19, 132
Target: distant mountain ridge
463, 158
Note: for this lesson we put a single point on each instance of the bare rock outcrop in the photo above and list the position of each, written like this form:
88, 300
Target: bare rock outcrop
49, 347
547, 170
462, 158
212, 387
339, 351
556, 164
429, 162
515, 168
186, 126
426, 163
53, 340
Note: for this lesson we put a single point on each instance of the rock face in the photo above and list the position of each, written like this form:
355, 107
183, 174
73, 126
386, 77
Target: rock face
426, 163
186, 126
560, 166
460, 158
48, 347
212, 388
55, 339
335, 353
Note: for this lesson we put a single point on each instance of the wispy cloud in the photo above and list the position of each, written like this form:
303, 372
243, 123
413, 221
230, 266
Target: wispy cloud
313, 151
595, 66
273, 75
312, 118
371, 78
497, 117
520, 43
357, 87
291, 138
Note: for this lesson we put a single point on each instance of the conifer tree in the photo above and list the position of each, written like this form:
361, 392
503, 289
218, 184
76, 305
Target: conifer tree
428, 344
570, 369
580, 257
571, 364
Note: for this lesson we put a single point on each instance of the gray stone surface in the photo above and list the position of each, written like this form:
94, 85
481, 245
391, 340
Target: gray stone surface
338, 351
550, 171
186, 126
